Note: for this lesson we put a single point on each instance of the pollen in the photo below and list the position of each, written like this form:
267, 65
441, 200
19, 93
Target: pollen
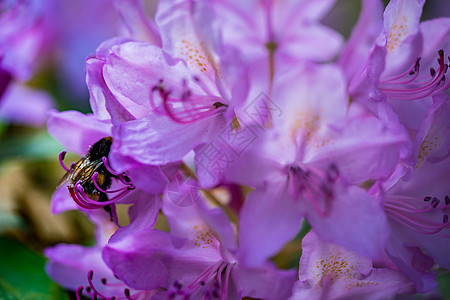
335, 266
197, 56
202, 237
309, 124
426, 147
338, 266
397, 34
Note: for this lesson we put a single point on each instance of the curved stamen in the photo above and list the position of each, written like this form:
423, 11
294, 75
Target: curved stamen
313, 185
413, 69
186, 108
121, 176
418, 219
397, 89
78, 200
96, 292
208, 285
89, 201
108, 167
94, 180
61, 156
79, 292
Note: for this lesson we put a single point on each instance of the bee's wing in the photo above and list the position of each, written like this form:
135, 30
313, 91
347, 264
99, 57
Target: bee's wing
81, 171
72, 173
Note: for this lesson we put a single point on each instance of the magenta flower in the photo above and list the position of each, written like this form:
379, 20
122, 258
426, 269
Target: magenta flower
81, 269
401, 66
291, 30
301, 168
276, 36
22, 105
417, 204
219, 180
22, 38
329, 272
198, 258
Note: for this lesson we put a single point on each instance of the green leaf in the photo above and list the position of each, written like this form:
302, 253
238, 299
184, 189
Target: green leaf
444, 285
22, 274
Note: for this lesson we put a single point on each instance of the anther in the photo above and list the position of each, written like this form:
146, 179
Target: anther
218, 104
127, 293
435, 202
447, 200
427, 198
91, 274
432, 72
177, 285
80, 290
332, 173
445, 219
104, 280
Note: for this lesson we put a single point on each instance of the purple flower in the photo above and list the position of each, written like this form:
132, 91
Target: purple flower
277, 36
417, 205
324, 144
329, 272
198, 258
300, 167
81, 269
165, 102
401, 64
292, 30
22, 105
22, 38
22, 35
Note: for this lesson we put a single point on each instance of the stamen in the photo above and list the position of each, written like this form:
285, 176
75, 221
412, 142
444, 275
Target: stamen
208, 285
435, 202
94, 179
89, 203
313, 185
332, 173
422, 220
408, 89
61, 156
432, 72
79, 292
108, 167
186, 108
96, 292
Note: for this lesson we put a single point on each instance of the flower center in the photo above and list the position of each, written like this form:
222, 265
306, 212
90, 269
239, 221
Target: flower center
313, 185
406, 87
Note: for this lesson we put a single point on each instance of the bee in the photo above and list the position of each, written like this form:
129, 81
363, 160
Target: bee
92, 167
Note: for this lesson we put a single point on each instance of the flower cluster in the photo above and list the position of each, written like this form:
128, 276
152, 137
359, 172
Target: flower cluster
228, 127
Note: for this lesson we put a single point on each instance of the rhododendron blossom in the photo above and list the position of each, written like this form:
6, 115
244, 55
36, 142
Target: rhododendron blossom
235, 128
